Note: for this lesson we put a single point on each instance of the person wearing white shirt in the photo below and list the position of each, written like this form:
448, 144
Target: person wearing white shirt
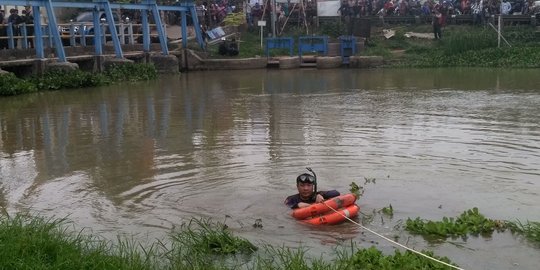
506, 7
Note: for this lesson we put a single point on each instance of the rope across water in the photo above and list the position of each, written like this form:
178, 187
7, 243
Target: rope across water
392, 241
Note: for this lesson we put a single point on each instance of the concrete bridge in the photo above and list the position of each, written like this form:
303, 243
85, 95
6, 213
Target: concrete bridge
111, 41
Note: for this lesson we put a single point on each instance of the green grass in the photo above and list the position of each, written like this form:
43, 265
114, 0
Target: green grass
37, 243
203, 244
29, 242
530, 230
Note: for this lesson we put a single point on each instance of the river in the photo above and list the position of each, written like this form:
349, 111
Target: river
140, 158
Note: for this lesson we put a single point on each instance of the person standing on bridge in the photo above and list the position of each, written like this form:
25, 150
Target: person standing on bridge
28, 19
15, 20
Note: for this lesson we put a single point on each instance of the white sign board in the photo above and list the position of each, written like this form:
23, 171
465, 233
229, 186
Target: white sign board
328, 8
261, 23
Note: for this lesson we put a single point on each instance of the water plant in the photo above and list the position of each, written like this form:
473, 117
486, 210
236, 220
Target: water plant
388, 210
469, 222
11, 85
63, 79
131, 72
73, 79
530, 229
356, 190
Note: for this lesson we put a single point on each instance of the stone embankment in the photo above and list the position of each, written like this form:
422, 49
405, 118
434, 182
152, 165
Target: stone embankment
178, 60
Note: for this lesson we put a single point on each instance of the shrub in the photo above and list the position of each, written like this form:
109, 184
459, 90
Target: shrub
11, 85
61, 79
131, 72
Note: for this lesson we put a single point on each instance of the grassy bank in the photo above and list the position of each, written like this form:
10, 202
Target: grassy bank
465, 46
60, 79
30, 242
461, 45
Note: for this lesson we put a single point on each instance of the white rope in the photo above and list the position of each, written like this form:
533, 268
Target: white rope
392, 241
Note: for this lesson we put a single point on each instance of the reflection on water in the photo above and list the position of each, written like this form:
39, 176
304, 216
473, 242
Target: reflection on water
144, 157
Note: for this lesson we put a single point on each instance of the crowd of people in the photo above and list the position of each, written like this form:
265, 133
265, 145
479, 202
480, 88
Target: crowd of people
17, 21
211, 13
358, 8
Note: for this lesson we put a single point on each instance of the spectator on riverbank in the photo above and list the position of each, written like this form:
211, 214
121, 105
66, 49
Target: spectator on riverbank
476, 9
345, 11
247, 11
465, 7
437, 22
506, 7
426, 10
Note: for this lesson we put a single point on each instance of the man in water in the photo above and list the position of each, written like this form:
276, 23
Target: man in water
307, 192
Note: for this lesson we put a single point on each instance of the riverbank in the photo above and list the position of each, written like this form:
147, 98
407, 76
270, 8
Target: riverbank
408, 46
412, 46
32, 242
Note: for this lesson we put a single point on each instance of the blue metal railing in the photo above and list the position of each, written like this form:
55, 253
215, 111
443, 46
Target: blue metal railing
49, 33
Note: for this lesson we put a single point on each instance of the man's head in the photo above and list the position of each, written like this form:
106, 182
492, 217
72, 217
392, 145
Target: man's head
305, 183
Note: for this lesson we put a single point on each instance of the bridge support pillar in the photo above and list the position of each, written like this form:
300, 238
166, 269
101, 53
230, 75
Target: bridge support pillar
147, 58
98, 63
64, 66
39, 66
167, 64
110, 62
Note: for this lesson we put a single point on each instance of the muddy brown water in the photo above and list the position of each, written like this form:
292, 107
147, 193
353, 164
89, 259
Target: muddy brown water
140, 158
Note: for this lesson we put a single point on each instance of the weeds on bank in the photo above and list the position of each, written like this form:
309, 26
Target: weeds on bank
62, 79
11, 85
203, 236
36, 243
373, 258
130, 72
530, 230
203, 244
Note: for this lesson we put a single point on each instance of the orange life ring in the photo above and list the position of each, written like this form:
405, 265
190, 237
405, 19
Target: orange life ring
317, 209
335, 218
